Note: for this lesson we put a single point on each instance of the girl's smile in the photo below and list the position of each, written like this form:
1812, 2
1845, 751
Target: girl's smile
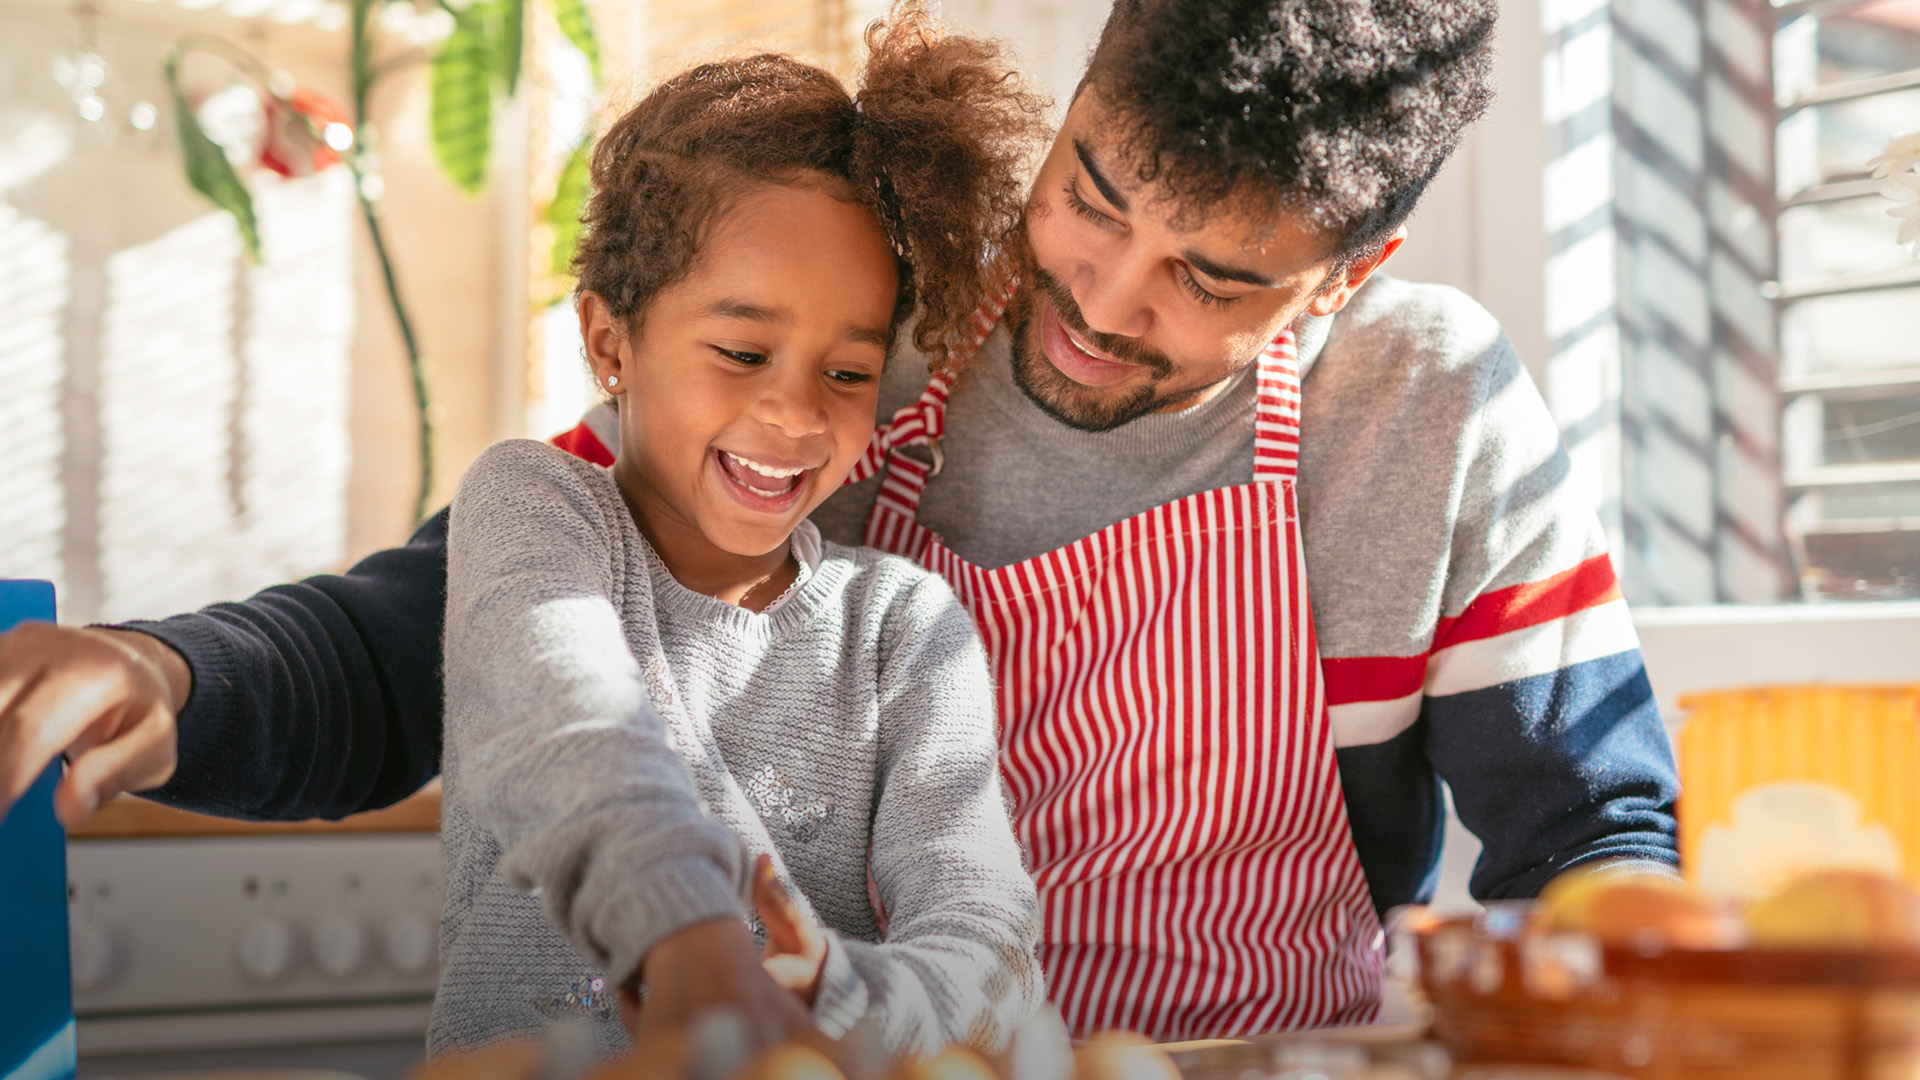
762, 486
747, 389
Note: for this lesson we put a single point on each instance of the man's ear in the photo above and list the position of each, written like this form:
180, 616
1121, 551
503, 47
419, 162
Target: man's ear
605, 341
1335, 294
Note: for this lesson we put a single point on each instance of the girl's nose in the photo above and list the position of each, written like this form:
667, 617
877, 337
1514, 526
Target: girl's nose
795, 406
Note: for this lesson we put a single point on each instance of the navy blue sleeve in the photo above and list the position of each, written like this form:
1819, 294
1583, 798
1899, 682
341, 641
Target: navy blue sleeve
1557, 769
317, 699
1548, 771
1397, 814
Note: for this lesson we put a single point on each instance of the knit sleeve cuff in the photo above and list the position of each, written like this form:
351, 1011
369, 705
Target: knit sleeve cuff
841, 999
213, 720
1619, 867
669, 897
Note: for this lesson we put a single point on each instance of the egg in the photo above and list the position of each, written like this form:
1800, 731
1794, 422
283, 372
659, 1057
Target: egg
1838, 909
953, 1063
1122, 1056
1652, 911
1563, 903
791, 1062
1635, 909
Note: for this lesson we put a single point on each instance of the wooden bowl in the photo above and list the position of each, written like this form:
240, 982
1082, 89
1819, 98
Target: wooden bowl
1501, 994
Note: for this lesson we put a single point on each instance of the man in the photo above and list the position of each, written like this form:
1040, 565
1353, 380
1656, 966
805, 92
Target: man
1263, 547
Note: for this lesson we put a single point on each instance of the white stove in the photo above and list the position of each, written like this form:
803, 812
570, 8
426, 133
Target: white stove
239, 944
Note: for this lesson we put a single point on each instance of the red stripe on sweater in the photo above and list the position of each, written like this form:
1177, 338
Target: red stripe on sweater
1517, 607
581, 442
1372, 678
1384, 678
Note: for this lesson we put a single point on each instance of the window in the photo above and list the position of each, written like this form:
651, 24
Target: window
1847, 78
173, 417
1728, 353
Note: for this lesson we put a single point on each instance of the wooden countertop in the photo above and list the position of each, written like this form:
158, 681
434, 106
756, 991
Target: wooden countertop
130, 816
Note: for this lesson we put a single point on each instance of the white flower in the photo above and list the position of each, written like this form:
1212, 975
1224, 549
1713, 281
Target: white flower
1898, 169
1905, 190
1901, 155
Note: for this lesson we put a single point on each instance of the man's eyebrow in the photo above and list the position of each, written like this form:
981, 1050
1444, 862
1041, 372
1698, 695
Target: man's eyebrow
748, 311
1100, 181
1218, 272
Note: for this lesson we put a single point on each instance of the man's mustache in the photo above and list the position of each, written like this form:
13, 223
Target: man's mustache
1125, 349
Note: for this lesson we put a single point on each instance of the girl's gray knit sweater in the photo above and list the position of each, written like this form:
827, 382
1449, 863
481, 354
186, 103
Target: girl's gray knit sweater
849, 730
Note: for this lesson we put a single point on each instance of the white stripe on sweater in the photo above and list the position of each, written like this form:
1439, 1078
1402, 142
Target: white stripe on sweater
1364, 723
1605, 630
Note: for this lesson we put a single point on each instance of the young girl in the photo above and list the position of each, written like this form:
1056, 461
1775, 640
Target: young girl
657, 672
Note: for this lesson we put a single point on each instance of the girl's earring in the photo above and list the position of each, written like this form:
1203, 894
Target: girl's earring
613, 380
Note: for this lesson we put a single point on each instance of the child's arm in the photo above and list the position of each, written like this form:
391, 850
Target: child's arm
958, 963
550, 734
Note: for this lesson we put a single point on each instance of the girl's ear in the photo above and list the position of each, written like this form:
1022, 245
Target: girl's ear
605, 341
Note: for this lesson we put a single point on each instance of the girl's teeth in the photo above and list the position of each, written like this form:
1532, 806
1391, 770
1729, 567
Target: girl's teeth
764, 470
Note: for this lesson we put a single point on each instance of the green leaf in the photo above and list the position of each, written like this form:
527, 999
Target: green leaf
577, 24
462, 120
508, 41
208, 169
569, 202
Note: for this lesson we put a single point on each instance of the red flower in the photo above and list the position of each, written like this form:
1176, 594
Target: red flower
305, 133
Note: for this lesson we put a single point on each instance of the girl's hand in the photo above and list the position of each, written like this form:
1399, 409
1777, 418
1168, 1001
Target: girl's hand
707, 965
107, 699
796, 949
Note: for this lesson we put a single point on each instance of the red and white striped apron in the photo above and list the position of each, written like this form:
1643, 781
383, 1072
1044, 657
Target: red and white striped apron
1166, 745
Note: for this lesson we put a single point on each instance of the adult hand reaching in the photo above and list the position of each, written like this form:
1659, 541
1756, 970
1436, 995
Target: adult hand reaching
106, 699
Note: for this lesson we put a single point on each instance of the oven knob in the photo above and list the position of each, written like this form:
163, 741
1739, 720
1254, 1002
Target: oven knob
93, 954
410, 944
339, 945
265, 949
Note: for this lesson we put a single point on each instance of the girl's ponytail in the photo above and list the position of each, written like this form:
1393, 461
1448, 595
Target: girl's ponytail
942, 145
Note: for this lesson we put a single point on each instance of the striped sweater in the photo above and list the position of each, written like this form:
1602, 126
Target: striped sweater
1469, 621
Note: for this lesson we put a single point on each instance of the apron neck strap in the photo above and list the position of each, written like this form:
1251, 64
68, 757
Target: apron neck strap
1276, 414
923, 422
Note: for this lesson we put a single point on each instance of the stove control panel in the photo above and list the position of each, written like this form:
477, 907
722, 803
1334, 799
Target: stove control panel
218, 922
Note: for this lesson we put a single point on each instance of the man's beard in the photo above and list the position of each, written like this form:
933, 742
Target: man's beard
1074, 405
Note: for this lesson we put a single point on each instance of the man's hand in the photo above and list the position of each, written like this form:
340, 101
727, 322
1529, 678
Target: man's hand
711, 964
796, 949
107, 699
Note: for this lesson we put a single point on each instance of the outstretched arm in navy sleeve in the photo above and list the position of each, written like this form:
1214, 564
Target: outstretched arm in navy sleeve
316, 699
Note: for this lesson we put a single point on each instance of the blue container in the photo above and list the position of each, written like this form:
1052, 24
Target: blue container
36, 991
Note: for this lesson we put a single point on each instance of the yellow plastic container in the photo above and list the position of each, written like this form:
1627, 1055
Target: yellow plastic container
1779, 780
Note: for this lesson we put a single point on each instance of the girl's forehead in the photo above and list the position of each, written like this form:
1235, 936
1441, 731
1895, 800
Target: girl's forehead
771, 216
794, 254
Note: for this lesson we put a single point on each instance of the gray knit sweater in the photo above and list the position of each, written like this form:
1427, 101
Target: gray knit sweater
590, 696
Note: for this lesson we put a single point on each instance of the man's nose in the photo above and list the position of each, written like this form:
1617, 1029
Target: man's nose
1113, 299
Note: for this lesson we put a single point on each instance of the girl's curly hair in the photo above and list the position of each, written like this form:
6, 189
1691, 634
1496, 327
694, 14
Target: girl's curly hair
936, 143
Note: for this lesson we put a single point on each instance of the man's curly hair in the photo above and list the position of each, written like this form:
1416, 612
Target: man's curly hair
936, 144
1339, 109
